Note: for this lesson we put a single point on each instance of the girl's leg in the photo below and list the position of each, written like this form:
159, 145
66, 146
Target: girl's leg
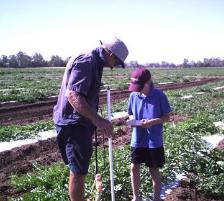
135, 181
156, 181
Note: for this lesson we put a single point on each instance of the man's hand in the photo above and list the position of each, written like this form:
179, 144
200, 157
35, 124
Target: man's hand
104, 126
78, 101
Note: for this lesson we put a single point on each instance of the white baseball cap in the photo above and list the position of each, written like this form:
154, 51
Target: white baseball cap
118, 48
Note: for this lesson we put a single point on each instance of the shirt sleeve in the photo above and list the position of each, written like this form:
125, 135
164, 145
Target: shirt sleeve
80, 78
165, 106
130, 105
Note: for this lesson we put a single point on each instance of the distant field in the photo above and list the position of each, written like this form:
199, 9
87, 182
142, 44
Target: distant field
32, 84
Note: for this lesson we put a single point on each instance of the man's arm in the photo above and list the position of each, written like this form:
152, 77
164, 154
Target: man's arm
79, 102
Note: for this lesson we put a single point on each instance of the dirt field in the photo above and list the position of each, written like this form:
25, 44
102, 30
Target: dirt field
19, 160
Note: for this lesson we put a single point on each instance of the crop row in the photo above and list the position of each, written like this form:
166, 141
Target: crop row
185, 152
211, 102
30, 85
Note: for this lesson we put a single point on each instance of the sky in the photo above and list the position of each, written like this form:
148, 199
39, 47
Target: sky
153, 30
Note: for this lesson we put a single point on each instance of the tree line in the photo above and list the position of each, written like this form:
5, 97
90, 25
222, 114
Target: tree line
22, 60
207, 62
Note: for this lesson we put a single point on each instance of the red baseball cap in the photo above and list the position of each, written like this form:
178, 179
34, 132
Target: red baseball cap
138, 79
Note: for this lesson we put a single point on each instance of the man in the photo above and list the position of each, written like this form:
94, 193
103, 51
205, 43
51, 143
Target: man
151, 108
75, 114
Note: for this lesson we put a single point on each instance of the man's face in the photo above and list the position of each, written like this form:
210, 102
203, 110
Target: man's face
117, 61
112, 60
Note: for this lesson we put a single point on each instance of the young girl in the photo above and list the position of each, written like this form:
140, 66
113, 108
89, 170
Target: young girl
151, 107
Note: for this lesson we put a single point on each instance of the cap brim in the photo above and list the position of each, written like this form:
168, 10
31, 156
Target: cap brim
120, 63
134, 87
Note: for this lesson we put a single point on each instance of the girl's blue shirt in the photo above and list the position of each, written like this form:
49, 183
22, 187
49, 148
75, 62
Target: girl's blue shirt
152, 106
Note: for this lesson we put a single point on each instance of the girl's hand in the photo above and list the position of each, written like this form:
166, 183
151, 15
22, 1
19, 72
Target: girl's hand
147, 123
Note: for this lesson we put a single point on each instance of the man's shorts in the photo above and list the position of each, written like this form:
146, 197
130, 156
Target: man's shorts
75, 145
152, 157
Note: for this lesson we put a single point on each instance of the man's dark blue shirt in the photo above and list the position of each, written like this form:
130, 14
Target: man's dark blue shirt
82, 74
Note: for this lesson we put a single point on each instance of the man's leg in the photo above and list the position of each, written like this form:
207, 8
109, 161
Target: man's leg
135, 181
76, 186
156, 181
78, 152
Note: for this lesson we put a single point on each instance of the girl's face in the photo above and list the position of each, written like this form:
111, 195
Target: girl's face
146, 87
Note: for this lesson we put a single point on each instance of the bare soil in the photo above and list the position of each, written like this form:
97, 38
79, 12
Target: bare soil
45, 152
23, 113
20, 161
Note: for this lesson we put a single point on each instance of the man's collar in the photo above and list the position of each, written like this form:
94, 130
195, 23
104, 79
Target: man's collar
101, 55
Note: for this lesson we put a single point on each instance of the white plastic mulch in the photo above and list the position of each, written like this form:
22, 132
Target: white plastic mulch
44, 135
199, 93
18, 89
219, 124
161, 83
6, 102
219, 88
4, 146
167, 189
213, 140
186, 97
